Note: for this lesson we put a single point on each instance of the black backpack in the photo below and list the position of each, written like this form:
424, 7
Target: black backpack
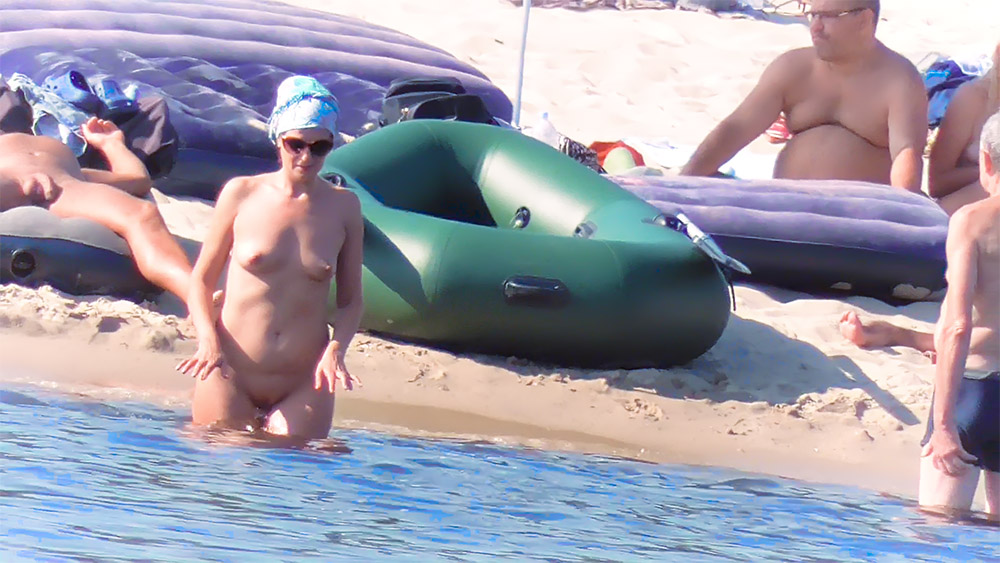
431, 98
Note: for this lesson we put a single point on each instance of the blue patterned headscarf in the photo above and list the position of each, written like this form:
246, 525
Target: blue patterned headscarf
302, 103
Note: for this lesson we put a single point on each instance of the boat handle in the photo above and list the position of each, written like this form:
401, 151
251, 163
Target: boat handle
534, 291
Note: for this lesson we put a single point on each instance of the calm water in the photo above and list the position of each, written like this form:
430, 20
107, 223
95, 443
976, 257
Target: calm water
84, 479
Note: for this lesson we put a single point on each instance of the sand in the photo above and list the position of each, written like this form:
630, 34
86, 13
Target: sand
781, 393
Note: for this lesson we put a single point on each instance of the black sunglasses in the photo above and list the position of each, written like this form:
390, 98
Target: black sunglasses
319, 148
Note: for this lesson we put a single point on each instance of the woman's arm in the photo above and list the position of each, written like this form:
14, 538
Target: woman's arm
205, 275
350, 302
945, 174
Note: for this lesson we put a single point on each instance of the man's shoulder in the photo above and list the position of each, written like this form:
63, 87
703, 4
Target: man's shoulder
975, 218
898, 63
797, 57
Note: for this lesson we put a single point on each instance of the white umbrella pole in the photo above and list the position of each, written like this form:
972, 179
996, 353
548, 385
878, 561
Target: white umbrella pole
520, 69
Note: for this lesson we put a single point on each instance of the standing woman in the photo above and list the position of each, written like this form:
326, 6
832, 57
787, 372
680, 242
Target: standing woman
953, 172
268, 362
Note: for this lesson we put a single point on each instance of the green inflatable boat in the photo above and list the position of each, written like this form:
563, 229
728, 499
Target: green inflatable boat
481, 239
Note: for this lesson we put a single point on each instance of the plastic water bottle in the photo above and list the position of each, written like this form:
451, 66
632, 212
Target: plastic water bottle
544, 131
131, 91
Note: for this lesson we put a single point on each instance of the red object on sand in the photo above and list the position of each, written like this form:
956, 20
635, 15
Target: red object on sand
778, 131
602, 148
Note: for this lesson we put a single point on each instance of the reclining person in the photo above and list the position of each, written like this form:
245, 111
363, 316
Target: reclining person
43, 172
857, 109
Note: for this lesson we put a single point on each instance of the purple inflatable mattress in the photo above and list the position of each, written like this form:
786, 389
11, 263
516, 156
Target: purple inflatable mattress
219, 64
861, 238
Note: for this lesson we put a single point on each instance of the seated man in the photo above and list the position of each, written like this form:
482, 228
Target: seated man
963, 429
857, 110
42, 171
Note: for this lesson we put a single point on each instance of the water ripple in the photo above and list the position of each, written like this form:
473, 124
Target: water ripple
93, 480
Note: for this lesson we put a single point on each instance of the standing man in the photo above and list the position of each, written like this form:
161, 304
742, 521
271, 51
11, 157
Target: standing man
857, 109
963, 429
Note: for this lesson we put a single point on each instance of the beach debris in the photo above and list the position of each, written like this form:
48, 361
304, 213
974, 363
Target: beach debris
644, 408
739, 428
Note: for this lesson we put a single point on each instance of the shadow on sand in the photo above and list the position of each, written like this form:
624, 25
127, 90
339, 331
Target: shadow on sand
752, 362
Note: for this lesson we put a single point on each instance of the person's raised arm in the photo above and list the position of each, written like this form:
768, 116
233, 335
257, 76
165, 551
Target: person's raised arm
127, 173
204, 277
350, 302
749, 120
908, 131
952, 337
945, 175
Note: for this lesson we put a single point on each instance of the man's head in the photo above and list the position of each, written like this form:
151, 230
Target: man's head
841, 29
989, 157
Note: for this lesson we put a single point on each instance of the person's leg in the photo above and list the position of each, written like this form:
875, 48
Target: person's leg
876, 334
956, 200
307, 413
993, 494
940, 490
217, 400
159, 258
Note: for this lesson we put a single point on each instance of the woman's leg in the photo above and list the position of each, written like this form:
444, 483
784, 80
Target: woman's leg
217, 400
307, 412
159, 258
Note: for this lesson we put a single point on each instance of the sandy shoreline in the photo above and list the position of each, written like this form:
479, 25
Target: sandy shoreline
781, 393
734, 407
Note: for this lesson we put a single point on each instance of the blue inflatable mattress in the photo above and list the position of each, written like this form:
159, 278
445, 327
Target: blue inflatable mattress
218, 65
817, 236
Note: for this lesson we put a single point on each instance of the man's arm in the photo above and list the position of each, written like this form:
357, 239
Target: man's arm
908, 131
758, 111
952, 336
11, 194
127, 173
36, 188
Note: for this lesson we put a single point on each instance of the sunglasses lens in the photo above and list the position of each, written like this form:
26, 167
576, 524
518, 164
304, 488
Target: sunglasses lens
295, 145
321, 148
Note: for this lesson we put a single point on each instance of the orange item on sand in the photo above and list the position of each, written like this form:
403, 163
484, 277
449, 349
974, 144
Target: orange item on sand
602, 148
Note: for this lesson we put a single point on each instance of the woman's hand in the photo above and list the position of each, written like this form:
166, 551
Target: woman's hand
100, 132
205, 360
947, 454
331, 368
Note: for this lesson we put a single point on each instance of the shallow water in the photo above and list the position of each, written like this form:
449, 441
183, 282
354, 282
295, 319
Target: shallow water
121, 481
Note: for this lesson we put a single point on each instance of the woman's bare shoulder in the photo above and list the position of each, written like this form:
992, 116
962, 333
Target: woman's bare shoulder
973, 94
343, 196
240, 187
